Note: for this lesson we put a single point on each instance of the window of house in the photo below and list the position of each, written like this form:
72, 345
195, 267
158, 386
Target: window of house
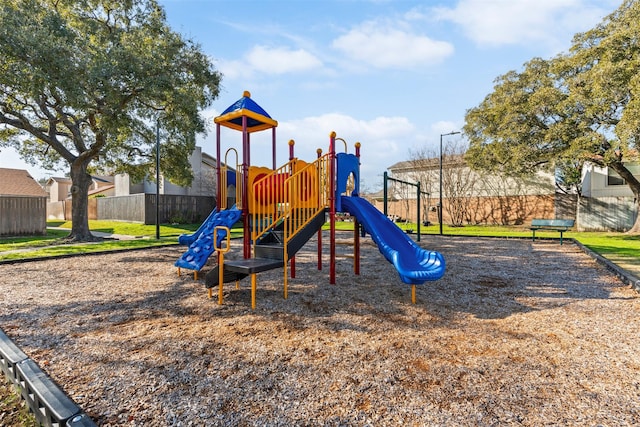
614, 179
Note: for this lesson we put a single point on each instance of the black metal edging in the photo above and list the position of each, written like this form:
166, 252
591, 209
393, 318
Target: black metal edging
47, 401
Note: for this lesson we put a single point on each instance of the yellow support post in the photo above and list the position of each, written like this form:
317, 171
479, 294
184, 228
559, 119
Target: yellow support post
195, 275
220, 277
253, 291
178, 271
286, 293
223, 249
413, 294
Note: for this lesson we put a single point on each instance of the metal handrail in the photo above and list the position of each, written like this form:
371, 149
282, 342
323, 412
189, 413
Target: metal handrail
267, 199
293, 194
224, 182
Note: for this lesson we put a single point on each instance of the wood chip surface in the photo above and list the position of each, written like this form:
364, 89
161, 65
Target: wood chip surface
516, 334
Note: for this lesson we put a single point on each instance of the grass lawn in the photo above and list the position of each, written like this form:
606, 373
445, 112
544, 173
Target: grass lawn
51, 245
131, 228
618, 247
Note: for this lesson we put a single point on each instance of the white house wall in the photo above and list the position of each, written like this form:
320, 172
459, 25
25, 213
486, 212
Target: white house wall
124, 187
203, 184
594, 182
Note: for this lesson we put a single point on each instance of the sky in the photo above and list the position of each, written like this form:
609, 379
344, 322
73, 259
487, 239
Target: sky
393, 75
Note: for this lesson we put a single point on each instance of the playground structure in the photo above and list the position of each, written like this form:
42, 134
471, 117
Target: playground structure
281, 208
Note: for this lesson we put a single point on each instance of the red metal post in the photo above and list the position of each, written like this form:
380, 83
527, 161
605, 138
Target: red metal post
245, 183
218, 170
332, 208
292, 143
293, 258
273, 148
319, 151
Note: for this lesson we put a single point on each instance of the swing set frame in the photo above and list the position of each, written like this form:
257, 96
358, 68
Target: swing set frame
419, 193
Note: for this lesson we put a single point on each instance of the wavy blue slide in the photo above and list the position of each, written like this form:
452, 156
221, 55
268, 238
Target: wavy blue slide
414, 264
187, 239
201, 248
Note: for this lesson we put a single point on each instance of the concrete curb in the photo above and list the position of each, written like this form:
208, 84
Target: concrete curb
627, 277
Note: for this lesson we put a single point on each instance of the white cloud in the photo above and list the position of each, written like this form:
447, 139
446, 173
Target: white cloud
281, 60
233, 70
384, 140
385, 45
270, 61
504, 22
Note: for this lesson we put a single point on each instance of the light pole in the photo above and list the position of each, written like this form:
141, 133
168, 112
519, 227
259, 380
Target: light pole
440, 204
158, 177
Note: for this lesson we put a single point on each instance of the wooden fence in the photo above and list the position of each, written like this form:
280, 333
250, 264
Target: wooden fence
20, 215
606, 213
142, 208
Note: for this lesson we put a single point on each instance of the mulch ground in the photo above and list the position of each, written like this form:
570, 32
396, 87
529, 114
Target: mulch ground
516, 333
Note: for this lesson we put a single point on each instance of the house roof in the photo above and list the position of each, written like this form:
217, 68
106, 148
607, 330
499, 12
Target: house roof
18, 182
58, 179
449, 160
105, 179
102, 189
208, 159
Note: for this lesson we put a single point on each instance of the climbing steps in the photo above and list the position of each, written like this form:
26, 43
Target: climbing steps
269, 252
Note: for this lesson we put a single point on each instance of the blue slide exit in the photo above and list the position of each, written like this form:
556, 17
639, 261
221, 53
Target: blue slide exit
201, 249
414, 264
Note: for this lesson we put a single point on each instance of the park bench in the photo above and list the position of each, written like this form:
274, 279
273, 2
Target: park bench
560, 225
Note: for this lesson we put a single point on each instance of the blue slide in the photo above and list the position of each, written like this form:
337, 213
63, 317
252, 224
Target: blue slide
187, 239
201, 249
414, 264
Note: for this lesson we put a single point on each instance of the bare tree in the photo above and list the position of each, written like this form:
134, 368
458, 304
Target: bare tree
458, 180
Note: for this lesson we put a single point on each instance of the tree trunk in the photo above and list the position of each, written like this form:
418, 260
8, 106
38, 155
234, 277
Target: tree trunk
636, 226
81, 181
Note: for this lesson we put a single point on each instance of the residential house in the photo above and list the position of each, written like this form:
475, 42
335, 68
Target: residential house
118, 198
606, 203
57, 189
203, 167
468, 196
22, 204
600, 182
136, 201
59, 195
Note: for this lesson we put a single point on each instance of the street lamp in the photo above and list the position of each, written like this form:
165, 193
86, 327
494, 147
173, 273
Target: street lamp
158, 177
440, 204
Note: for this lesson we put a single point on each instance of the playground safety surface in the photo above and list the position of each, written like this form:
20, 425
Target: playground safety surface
516, 333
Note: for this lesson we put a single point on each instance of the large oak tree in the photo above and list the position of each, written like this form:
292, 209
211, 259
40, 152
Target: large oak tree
583, 105
83, 83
